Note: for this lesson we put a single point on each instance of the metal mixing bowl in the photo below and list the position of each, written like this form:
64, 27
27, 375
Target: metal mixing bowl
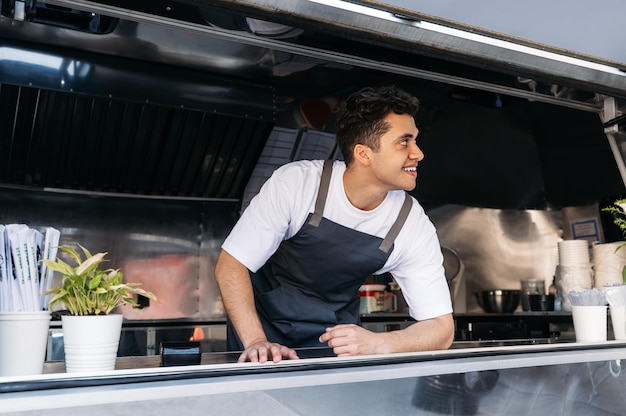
498, 301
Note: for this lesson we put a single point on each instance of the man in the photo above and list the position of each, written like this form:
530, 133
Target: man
290, 270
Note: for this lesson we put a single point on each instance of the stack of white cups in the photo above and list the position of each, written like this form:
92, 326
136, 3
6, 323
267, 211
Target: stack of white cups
574, 271
608, 264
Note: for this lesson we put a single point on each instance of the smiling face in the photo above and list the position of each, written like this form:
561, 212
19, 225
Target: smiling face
394, 163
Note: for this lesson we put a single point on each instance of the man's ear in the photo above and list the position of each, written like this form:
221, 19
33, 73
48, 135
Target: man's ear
362, 154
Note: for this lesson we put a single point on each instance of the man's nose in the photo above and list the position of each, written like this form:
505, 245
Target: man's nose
416, 152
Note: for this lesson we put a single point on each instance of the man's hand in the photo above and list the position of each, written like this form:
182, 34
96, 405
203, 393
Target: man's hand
233, 280
349, 339
427, 335
261, 351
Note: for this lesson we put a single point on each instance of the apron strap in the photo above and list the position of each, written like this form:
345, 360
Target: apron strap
320, 202
393, 232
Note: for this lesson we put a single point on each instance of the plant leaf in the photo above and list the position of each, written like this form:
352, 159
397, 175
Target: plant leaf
60, 266
91, 261
87, 253
72, 253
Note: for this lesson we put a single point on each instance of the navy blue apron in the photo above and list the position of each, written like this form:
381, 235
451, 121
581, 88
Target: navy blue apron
312, 280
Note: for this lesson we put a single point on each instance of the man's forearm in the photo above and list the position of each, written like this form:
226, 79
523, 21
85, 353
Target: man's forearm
427, 335
233, 280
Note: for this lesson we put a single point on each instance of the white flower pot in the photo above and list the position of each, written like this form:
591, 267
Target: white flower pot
91, 342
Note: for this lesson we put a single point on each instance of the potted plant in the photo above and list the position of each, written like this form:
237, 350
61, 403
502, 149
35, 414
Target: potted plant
90, 294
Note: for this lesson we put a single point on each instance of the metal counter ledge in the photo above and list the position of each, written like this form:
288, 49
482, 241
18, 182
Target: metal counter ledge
319, 380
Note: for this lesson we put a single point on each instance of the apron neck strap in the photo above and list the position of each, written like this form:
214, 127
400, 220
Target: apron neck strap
320, 202
393, 232
322, 193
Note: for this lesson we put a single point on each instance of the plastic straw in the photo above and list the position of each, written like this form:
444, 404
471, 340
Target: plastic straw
22, 278
588, 297
50, 244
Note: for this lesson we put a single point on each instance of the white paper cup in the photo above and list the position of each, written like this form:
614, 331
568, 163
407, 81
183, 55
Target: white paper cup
618, 320
23, 340
589, 323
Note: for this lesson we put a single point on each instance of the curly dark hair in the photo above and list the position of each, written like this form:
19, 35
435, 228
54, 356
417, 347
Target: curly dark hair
362, 119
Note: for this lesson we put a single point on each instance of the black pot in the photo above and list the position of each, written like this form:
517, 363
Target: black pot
498, 301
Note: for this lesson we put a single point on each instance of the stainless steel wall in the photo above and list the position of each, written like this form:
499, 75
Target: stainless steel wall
168, 245
501, 247
171, 246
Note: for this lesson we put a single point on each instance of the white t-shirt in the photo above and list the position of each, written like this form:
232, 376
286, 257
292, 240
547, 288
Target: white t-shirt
281, 207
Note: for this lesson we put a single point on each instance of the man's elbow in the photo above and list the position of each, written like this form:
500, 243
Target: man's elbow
448, 342
448, 332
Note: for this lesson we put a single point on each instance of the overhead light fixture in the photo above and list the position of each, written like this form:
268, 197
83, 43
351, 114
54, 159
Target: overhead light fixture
500, 43
463, 34
357, 8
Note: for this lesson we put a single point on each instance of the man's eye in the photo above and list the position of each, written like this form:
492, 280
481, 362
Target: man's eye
404, 142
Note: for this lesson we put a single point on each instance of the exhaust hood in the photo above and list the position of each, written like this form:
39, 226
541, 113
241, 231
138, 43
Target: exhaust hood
68, 141
178, 100
84, 114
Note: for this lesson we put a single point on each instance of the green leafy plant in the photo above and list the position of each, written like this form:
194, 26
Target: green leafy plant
618, 209
86, 289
